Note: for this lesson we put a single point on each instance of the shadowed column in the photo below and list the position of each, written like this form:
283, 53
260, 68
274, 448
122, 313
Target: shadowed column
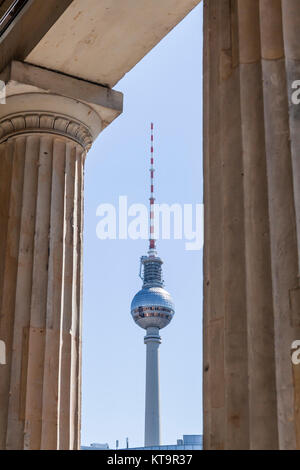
251, 260
41, 218
44, 138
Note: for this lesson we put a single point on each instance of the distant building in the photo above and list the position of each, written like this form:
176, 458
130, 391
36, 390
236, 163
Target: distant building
188, 442
95, 446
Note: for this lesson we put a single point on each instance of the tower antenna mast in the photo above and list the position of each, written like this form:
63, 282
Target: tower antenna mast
152, 241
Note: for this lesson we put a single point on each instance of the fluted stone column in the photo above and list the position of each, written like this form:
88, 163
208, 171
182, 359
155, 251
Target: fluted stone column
44, 139
251, 260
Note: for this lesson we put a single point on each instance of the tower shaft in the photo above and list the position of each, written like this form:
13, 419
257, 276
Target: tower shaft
152, 411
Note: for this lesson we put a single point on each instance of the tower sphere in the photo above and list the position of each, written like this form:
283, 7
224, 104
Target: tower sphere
152, 307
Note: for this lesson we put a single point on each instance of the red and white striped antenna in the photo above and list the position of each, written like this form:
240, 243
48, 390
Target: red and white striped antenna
152, 240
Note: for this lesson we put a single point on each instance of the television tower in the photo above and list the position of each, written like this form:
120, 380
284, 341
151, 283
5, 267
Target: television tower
152, 308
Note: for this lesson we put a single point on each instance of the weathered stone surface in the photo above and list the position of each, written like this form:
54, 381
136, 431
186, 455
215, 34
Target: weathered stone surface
101, 40
45, 134
251, 261
42, 218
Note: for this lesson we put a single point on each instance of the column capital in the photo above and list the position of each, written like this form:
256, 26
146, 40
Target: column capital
44, 101
48, 123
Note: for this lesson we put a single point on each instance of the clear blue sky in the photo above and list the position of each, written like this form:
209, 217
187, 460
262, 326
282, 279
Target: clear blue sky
165, 87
